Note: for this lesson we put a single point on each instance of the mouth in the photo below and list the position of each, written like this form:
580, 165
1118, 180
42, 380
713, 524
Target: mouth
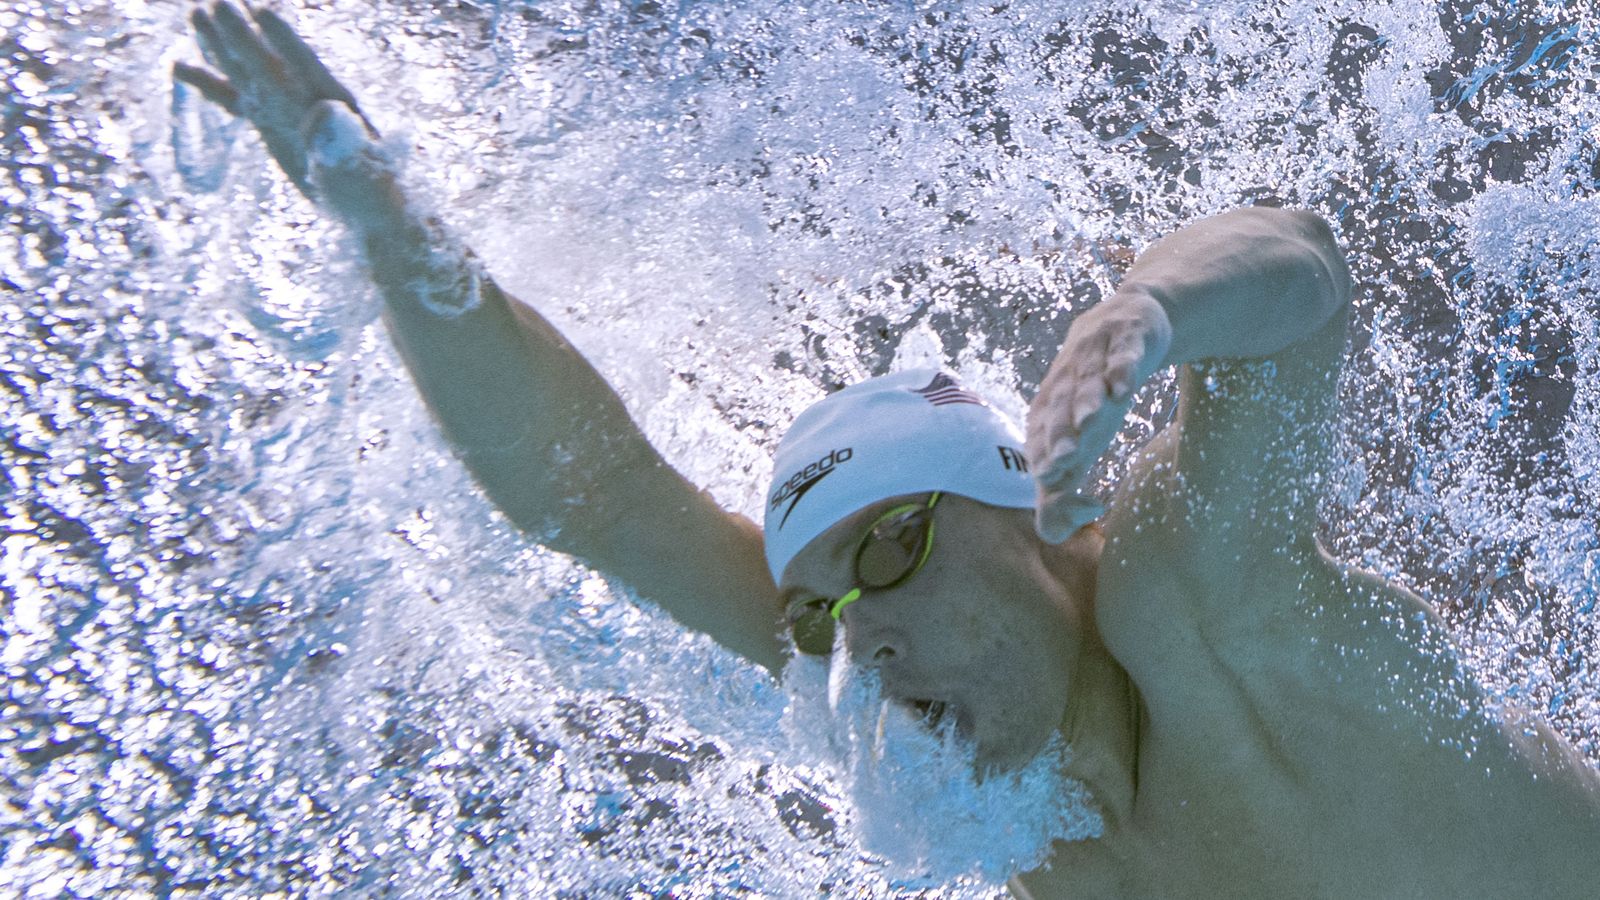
931, 714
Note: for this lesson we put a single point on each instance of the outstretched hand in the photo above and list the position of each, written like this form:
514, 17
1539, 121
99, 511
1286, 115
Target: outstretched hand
271, 77
1110, 350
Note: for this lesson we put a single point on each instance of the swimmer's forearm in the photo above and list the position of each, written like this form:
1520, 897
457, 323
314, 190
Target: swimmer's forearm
552, 444
494, 372
1247, 283
489, 375
545, 436
493, 378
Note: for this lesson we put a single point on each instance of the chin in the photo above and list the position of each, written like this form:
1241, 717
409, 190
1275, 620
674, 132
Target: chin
1011, 732
1007, 749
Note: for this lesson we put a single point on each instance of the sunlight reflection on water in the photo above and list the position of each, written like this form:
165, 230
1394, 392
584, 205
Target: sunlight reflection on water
261, 635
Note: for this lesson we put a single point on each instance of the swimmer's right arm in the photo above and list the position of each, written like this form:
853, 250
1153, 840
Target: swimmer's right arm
544, 434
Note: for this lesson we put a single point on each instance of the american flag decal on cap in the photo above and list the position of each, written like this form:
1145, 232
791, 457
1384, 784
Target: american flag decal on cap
943, 389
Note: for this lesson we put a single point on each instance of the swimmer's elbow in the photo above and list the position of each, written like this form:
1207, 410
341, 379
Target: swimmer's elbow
1247, 283
1332, 270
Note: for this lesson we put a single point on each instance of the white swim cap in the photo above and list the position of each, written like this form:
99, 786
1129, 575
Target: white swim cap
903, 433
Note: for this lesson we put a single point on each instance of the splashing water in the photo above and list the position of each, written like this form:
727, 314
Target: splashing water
913, 792
259, 632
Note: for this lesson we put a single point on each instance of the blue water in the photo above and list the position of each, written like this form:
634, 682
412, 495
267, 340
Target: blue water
259, 632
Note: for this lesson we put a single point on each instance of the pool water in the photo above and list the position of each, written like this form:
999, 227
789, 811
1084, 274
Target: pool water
260, 633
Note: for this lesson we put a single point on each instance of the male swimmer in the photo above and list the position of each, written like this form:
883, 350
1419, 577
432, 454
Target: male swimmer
1253, 718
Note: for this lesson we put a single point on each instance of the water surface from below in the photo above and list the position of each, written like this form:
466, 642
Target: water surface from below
260, 633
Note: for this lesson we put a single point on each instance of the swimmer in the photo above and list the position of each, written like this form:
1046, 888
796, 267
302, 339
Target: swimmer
1253, 718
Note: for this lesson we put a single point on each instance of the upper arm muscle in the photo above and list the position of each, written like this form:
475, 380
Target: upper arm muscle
553, 446
1254, 439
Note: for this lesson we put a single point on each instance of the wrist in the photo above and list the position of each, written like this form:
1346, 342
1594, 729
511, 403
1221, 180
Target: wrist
1143, 304
353, 177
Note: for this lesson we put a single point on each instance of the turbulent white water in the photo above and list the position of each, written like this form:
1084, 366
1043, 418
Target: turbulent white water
914, 799
260, 634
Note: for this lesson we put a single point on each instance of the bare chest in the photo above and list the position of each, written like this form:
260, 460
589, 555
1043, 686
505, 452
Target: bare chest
1309, 734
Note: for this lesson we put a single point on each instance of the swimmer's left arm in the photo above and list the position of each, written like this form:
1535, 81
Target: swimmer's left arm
1248, 283
1243, 284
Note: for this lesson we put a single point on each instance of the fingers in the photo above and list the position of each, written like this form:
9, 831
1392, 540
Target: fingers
1059, 515
240, 40
1087, 394
1079, 414
1065, 462
1058, 458
1071, 399
1118, 380
213, 88
1053, 433
212, 46
1088, 397
299, 56
281, 37
1122, 363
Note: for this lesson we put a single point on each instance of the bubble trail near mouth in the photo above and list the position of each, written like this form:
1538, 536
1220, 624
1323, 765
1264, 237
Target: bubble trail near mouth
914, 797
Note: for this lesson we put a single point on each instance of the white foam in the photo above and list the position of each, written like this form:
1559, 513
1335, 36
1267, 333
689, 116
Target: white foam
915, 799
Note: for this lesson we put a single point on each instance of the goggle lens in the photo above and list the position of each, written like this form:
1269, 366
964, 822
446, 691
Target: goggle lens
893, 550
813, 629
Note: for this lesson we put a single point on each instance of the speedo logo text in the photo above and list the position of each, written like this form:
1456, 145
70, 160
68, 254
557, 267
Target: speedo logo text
807, 478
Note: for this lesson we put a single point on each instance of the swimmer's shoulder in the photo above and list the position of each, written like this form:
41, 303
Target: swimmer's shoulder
1236, 476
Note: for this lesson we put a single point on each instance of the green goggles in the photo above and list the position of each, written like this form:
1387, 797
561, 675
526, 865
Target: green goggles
893, 549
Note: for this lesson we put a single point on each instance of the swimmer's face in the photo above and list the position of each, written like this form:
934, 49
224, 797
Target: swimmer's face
988, 627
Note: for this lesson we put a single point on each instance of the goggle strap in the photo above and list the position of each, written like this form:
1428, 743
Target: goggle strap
927, 543
927, 549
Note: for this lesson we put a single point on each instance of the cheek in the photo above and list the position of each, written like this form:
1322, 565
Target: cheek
1027, 650
982, 620
996, 603
1021, 614
1009, 634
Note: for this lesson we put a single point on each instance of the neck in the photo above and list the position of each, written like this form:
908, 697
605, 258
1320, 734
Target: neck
1103, 724
1105, 715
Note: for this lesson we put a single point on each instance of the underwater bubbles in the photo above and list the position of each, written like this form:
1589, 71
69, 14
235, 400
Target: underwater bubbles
258, 631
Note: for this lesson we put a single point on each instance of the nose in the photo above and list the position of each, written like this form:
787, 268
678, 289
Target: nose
871, 641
